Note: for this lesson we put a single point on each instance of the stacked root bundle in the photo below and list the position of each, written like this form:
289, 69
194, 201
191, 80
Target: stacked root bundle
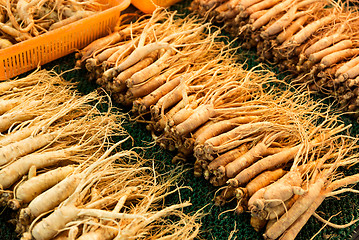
21, 20
56, 174
146, 59
46, 127
316, 40
110, 198
244, 134
283, 189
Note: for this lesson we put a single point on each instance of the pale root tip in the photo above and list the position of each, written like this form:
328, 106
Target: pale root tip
25, 216
162, 145
301, 59
26, 236
218, 201
129, 95
197, 174
157, 127
171, 147
241, 8
341, 78
155, 110
198, 149
264, 35
177, 159
78, 63
149, 127
298, 190
14, 204
239, 209
221, 171
129, 83
266, 237
5, 197
100, 81
239, 193
90, 64
142, 109
338, 79
107, 75
78, 55
233, 182
171, 123
189, 143
206, 174
258, 205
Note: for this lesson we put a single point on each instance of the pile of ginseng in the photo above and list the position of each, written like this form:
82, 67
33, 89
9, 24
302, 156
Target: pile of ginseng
316, 40
274, 151
66, 179
21, 20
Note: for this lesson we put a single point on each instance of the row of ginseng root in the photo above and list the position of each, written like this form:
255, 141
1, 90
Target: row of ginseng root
315, 40
59, 170
263, 146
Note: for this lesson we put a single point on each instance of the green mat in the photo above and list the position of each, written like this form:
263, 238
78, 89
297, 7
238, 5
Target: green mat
218, 222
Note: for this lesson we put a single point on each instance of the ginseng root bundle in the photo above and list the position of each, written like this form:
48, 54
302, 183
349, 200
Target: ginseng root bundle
270, 149
313, 39
60, 175
109, 198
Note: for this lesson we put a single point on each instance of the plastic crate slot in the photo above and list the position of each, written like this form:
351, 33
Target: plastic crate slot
12, 62
84, 39
26, 62
79, 39
39, 53
54, 48
45, 54
66, 45
26, 58
2, 68
33, 56
93, 34
103, 25
17, 61
62, 47
8, 68
59, 49
21, 60
51, 50
89, 36
48, 51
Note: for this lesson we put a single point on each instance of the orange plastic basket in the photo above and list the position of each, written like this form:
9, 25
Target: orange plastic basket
27, 55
